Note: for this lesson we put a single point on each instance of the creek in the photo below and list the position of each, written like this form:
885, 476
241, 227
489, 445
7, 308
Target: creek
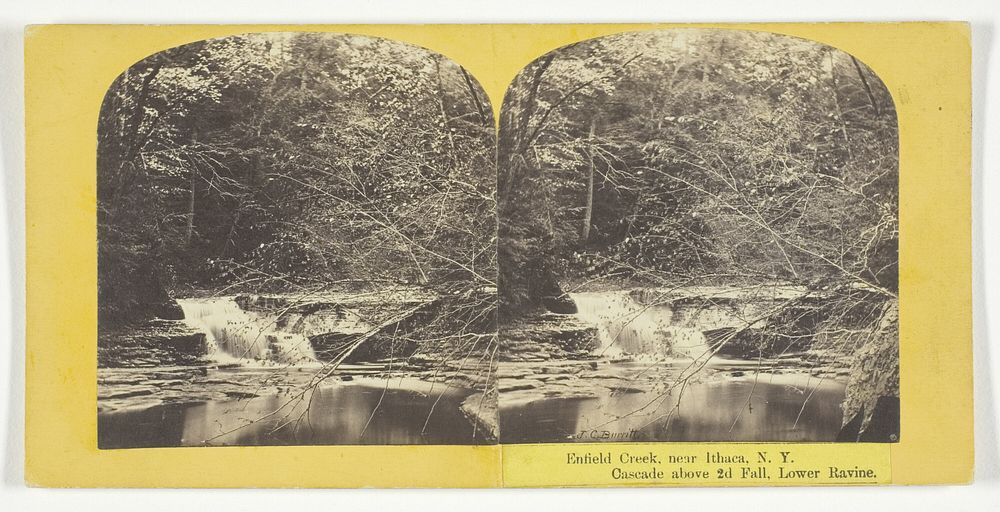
259, 381
366, 411
654, 377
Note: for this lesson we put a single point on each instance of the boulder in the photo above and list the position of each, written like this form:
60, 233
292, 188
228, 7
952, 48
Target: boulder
154, 343
168, 310
481, 411
548, 337
874, 373
882, 425
560, 304
751, 343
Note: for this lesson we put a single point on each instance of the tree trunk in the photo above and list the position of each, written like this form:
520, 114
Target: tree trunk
190, 215
444, 113
475, 97
589, 211
868, 88
836, 104
189, 234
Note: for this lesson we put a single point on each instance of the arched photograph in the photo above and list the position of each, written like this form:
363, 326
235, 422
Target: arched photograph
673, 235
296, 238
698, 242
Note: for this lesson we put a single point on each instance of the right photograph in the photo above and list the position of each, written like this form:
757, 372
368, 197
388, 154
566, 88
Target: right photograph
698, 241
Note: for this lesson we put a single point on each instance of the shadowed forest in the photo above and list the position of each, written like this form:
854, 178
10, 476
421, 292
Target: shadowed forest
705, 195
312, 238
292, 162
285, 200
699, 156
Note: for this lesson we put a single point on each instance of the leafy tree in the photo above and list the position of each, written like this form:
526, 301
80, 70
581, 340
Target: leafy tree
697, 156
286, 162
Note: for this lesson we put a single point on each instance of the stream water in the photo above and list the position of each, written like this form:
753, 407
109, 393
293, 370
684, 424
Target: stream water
234, 335
784, 407
626, 327
633, 391
622, 392
250, 391
343, 413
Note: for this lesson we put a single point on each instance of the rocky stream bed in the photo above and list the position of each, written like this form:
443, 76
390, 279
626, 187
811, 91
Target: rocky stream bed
655, 366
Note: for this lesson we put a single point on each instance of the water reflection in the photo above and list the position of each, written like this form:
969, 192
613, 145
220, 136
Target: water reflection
334, 415
781, 408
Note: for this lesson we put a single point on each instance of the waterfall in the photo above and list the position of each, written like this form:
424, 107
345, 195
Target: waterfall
237, 336
627, 327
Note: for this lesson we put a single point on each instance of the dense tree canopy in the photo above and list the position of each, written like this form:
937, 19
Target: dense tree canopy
291, 161
694, 156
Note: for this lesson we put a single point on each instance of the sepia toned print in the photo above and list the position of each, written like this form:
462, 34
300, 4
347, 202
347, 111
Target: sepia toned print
698, 242
686, 235
296, 246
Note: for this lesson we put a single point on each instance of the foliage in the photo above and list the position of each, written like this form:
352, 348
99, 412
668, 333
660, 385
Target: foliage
294, 161
714, 156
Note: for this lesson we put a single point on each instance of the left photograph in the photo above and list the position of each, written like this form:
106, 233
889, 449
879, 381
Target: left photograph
296, 246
